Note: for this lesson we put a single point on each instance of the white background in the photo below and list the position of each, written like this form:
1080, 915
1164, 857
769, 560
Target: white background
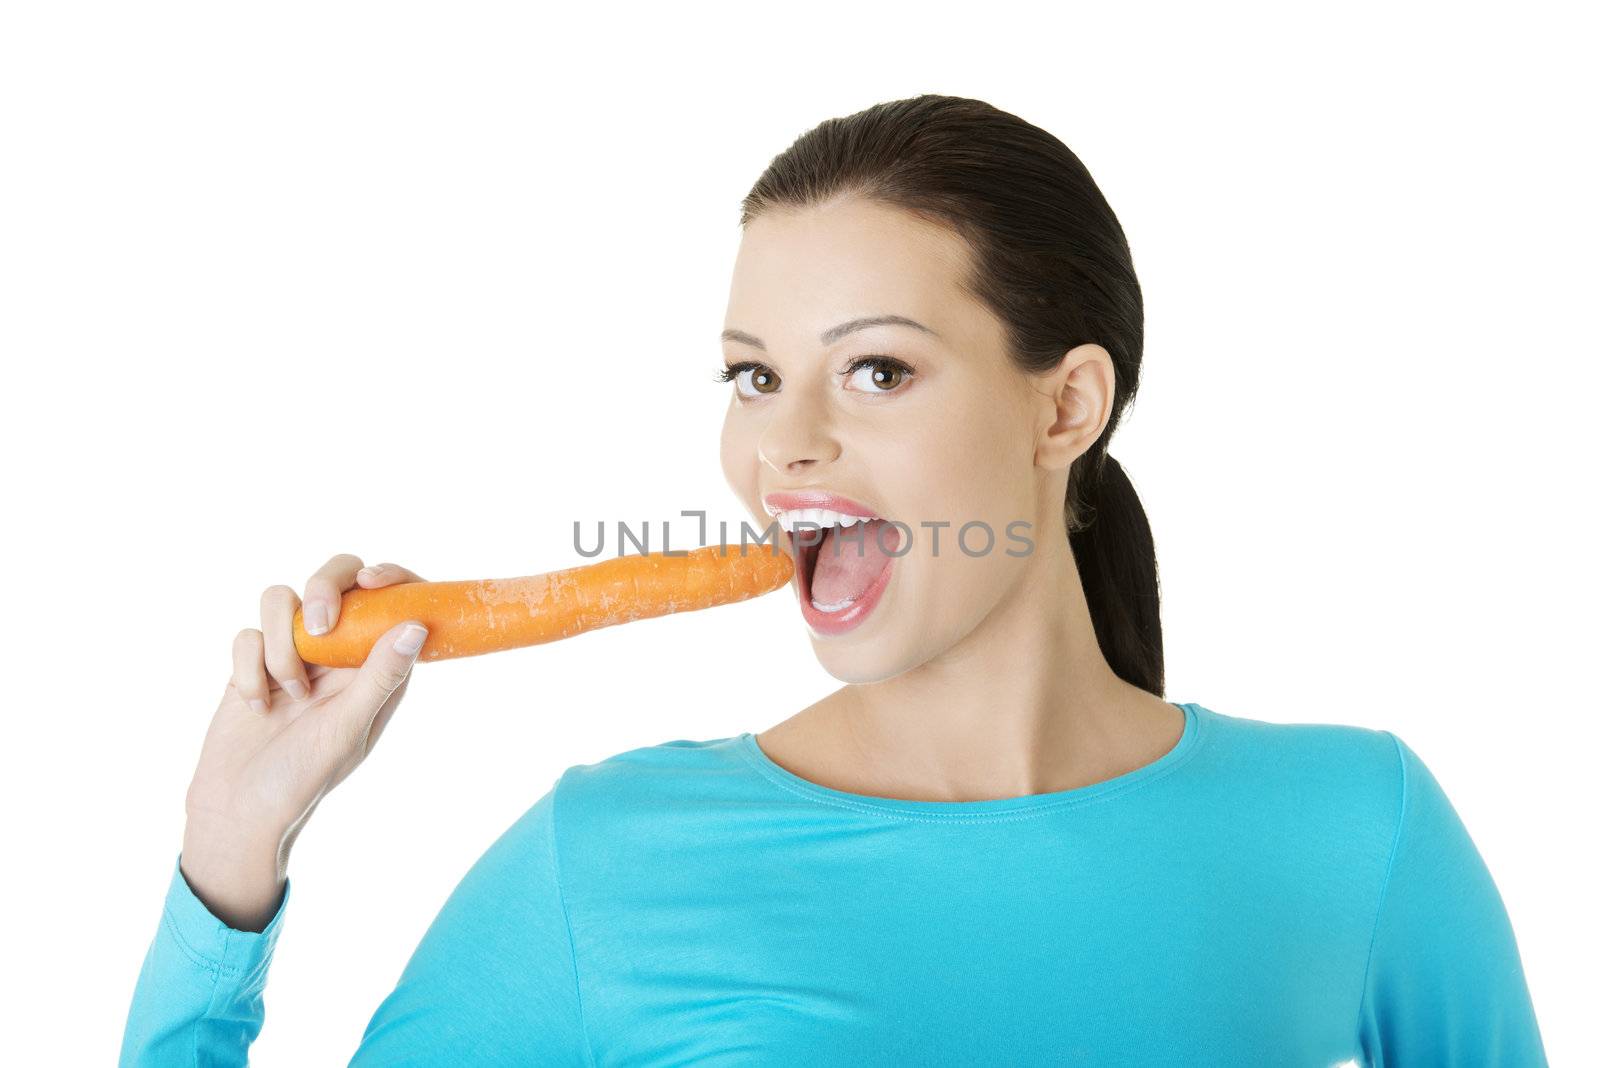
425, 283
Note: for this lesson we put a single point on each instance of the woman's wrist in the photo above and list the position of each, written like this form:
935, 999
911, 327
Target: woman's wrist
238, 879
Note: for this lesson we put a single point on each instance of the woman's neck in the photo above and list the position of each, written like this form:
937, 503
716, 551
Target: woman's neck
1024, 704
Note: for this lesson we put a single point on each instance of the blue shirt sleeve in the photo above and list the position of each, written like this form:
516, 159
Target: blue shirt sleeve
1444, 985
198, 1000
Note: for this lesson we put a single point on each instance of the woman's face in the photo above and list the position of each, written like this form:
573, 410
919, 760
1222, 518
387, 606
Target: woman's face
941, 435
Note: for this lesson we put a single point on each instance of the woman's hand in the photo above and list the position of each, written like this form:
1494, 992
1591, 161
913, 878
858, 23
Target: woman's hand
285, 734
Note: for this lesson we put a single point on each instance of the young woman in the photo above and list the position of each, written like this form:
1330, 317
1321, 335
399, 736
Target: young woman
997, 843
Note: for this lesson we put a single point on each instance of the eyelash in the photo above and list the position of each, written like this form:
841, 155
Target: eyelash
733, 370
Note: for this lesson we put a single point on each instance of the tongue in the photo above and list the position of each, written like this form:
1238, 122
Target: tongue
848, 559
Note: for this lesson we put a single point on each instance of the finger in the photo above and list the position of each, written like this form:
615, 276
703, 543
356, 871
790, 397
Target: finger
249, 671
278, 604
381, 720
324, 589
375, 575
379, 679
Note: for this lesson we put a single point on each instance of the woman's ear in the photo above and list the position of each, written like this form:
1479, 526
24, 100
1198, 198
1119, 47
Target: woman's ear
1075, 405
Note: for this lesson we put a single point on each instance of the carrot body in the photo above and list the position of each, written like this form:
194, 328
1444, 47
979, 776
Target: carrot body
469, 617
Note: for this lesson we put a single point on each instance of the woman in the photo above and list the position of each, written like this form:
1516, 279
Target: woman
996, 843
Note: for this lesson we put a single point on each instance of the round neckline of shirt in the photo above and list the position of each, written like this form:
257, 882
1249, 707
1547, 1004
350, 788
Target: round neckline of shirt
991, 808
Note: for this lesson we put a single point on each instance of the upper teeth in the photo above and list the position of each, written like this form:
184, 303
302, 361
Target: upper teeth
817, 517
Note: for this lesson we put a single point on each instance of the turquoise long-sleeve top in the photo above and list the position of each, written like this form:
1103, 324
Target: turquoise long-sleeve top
1261, 894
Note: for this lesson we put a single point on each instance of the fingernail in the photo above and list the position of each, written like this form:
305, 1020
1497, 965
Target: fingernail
367, 573
410, 639
296, 689
258, 706
316, 617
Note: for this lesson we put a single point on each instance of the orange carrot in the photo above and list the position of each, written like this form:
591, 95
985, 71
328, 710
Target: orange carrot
468, 617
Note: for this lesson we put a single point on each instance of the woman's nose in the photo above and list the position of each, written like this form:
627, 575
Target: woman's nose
797, 440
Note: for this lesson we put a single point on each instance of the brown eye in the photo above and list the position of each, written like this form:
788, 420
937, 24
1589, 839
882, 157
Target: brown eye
877, 374
764, 381
754, 381
887, 377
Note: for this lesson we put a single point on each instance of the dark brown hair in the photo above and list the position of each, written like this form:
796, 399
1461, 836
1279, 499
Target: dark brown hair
1052, 263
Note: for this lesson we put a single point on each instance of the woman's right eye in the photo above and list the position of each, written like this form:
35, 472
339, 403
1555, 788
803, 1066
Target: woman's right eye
751, 379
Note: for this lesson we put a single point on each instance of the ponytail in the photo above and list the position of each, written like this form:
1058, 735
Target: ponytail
1116, 556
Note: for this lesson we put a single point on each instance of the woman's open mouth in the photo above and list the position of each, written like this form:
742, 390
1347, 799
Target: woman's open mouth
842, 564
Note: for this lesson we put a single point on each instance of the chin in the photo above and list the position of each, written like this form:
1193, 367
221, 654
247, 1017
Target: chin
878, 650
860, 662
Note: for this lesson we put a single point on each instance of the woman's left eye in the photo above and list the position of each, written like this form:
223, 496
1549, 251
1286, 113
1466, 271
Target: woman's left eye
877, 374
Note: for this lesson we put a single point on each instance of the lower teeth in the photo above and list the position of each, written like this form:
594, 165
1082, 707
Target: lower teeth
834, 607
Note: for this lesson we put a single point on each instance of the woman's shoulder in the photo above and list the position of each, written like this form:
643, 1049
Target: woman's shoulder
653, 767
628, 804
667, 779
1345, 769
1303, 743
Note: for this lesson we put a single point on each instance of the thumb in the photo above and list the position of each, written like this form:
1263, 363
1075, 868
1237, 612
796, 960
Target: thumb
385, 668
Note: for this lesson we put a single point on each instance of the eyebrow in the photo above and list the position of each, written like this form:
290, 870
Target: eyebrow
834, 333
